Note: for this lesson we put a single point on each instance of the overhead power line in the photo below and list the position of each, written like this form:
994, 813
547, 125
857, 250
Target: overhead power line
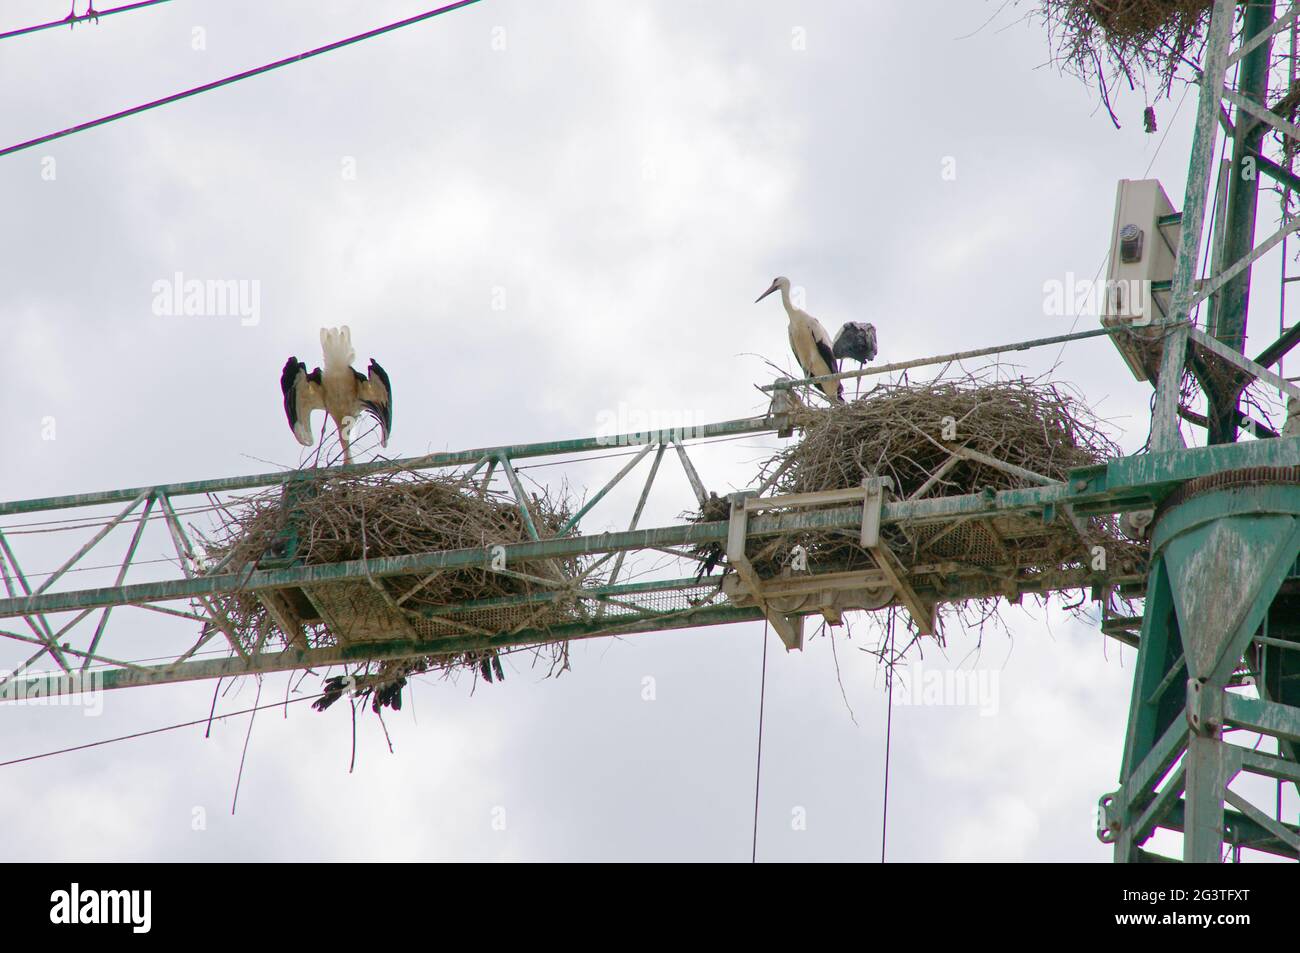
155, 731
72, 19
246, 74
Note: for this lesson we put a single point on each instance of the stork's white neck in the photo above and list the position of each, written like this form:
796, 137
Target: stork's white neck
790, 310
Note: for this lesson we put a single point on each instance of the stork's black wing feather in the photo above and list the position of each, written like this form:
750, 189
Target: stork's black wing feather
300, 400
334, 688
828, 356
389, 696
292, 368
711, 554
377, 371
856, 340
845, 341
381, 405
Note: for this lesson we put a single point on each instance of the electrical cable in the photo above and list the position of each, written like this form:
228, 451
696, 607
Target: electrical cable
228, 80
154, 731
71, 19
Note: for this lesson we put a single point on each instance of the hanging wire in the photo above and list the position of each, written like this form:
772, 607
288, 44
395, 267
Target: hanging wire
758, 768
889, 726
239, 778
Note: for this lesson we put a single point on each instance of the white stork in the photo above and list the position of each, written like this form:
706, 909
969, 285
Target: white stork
340, 390
809, 341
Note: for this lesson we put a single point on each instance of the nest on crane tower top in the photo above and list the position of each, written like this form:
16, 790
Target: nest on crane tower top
949, 438
1104, 42
323, 521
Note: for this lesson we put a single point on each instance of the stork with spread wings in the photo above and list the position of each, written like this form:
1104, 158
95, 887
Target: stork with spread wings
340, 390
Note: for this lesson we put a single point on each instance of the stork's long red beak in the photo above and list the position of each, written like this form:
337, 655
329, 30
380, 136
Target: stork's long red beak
766, 293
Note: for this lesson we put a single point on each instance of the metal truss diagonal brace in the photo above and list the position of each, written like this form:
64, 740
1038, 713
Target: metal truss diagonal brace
121, 577
600, 494
189, 563
1266, 116
108, 527
1223, 277
700, 493
521, 498
1243, 362
1278, 25
37, 622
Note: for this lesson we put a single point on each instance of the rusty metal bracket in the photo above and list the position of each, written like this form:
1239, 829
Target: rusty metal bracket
922, 612
789, 628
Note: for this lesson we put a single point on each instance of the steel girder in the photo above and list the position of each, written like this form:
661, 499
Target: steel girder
1220, 558
1125, 484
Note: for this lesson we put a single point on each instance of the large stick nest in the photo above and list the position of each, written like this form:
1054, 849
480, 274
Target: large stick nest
910, 433
1112, 41
323, 521
899, 431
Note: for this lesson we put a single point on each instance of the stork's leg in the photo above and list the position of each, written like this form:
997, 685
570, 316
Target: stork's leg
320, 441
343, 440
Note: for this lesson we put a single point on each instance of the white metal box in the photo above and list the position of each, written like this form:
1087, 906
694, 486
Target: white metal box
1143, 249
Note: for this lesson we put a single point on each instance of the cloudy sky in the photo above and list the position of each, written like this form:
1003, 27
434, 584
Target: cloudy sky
539, 216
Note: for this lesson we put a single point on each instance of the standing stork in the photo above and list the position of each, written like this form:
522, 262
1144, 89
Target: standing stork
857, 339
340, 390
809, 341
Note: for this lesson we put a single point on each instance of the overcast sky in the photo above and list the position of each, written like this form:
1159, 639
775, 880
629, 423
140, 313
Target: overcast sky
537, 216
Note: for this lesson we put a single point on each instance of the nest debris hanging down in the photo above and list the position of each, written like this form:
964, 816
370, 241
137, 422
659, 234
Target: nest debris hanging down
898, 431
1109, 41
714, 509
322, 521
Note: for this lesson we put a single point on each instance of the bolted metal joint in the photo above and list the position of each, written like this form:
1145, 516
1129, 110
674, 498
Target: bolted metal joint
1108, 822
784, 402
1204, 708
1136, 523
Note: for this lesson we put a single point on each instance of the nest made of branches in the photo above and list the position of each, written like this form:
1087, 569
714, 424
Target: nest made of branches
906, 431
395, 513
909, 432
1112, 41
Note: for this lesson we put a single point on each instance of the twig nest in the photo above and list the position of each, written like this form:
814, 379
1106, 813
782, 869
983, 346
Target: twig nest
323, 521
946, 438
